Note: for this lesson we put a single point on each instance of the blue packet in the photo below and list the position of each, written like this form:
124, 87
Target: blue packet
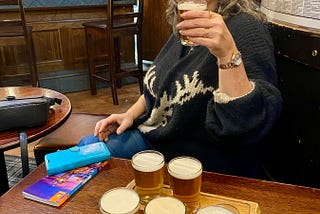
76, 157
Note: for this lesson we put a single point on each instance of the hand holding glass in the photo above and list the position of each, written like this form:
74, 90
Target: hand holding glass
186, 5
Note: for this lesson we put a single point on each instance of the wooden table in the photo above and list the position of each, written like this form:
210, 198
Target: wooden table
272, 197
10, 139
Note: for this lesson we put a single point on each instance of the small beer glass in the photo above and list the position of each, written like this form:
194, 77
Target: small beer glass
148, 167
119, 200
185, 181
165, 205
186, 5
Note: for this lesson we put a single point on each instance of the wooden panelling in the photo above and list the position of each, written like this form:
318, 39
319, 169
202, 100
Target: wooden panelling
59, 36
155, 31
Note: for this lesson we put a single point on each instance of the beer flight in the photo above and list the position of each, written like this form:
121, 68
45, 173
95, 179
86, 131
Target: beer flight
185, 176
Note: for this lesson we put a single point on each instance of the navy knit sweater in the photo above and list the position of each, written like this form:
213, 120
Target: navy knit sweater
182, 117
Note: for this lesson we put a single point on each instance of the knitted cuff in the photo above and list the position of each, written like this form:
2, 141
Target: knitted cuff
223, 98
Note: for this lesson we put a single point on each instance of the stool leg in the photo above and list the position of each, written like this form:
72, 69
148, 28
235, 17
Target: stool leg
114, 69
90, 55
139, 57
24, 152
31, 57
4, 185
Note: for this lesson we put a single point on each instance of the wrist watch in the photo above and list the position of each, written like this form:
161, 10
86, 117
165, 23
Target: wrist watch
236, 60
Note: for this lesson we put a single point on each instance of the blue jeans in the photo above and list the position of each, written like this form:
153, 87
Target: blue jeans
121, 146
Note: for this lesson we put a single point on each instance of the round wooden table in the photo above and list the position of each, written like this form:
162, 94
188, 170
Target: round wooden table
11, 139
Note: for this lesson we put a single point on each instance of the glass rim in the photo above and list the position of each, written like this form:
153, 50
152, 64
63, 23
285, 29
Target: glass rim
145, 152
228, 207
172, 173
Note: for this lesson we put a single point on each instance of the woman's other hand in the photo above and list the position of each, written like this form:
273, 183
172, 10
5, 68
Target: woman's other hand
115, 123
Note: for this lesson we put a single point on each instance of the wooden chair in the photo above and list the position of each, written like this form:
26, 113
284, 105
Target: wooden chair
16, 32
114, 29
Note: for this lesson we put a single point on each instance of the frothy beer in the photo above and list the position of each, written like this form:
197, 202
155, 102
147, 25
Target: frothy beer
148, 169
119, 200
184, 6
165, 205
218, 209
185, 180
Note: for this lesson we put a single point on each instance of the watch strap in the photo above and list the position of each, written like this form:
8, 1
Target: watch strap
227, 65
235, 61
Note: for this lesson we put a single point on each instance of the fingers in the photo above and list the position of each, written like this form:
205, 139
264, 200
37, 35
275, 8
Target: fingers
206, 33
97, 128
199, 23
105, 127
115, 123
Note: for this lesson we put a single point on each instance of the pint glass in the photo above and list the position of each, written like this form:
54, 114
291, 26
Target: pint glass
148, 169
186, 5
185, 181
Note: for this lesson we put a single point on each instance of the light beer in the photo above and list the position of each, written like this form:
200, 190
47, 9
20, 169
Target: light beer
119, 200
165, 205
185, 181
148, 169
186, 5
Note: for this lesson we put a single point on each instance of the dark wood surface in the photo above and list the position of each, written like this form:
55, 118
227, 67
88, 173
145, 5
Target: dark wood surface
272, 197
57, 115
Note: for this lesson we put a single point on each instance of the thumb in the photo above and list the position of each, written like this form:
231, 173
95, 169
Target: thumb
119, 130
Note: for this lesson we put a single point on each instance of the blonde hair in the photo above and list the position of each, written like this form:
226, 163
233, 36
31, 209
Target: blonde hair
226, 8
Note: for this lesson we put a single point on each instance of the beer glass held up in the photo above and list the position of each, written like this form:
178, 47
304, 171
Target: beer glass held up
185, 181
148, 169
186, 5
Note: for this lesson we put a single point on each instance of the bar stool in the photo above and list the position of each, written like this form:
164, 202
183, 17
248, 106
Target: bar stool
106, 35
16, 32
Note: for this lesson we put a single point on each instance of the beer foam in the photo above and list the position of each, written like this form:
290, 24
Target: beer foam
191, 6
185, 168
147, 162
120, 200
165, 205
215, 209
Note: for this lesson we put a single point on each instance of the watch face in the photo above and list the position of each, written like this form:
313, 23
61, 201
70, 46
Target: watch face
237, 59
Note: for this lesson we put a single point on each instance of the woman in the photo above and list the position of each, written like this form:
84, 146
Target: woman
215, 101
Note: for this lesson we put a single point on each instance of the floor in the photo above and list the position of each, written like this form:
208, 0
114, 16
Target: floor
84, 102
